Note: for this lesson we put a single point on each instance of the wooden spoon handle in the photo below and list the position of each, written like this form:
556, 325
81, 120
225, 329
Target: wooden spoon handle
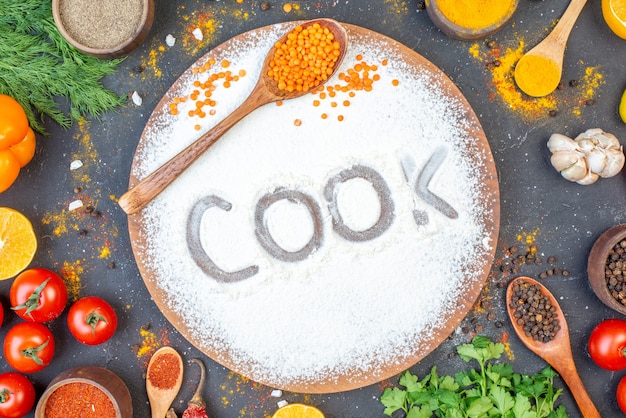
584, 402
563, 28
146, 190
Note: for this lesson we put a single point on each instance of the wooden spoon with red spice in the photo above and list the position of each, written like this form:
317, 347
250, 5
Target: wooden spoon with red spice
163, 380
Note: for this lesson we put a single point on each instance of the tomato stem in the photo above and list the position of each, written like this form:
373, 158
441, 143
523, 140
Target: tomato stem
32, 302
92, 320
32, 352
4, 395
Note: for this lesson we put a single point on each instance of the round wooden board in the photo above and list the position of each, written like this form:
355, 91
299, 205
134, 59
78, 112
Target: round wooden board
479, 157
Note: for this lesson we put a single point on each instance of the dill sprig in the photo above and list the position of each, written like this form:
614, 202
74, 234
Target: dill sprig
38, 66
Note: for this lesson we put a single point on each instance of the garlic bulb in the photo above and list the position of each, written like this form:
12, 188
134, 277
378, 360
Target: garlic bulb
591, 155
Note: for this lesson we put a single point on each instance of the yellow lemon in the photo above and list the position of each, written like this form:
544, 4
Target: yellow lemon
298, 410
18, 242
622, 107
614, 12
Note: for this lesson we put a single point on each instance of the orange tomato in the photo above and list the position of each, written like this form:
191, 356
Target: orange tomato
13, 122
25, 149
9, 169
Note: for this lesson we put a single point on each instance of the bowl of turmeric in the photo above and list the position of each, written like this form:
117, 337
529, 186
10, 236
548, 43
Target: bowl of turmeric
470, 19
87, 392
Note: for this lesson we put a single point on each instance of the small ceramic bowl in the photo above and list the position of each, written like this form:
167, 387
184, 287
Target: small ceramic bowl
105, 380
455, 31
596, 265
122, 48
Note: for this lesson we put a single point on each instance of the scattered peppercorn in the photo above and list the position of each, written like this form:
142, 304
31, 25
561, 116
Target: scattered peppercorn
111, 265
573, 83
77, 189
139, 69
83, 232
265, 6
589, 102
491, 44
533, 311
553, 112
552, 259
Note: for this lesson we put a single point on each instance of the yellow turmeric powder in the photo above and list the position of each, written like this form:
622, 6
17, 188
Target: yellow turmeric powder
476, 14
537, 75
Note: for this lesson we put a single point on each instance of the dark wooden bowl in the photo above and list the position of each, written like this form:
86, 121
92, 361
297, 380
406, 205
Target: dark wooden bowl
105, 380
125, 47
463, 33
597, 263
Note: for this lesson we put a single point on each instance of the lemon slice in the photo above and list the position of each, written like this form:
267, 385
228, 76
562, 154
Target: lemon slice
298, 410
622, 107
614, 12
18, 242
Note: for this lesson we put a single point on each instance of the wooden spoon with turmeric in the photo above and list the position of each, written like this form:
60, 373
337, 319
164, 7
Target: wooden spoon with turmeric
538, 72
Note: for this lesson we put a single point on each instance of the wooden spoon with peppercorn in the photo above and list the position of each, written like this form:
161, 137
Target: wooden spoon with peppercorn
163, 380
554, 345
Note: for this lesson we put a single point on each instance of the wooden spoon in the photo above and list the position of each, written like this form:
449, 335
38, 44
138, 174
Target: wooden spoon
264, 92
552, 49
161, 398
558, 352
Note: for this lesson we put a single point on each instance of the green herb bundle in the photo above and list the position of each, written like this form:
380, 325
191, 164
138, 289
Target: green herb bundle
37, 66
492, 391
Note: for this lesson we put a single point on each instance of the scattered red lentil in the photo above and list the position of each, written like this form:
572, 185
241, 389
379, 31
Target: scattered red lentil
297, 122
79, 400
395, 82
204, 89
164, 371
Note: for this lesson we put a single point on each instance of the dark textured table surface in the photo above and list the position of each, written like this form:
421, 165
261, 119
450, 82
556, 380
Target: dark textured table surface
538, 207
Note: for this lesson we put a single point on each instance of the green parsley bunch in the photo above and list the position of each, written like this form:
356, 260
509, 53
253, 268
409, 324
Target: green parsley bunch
494, 390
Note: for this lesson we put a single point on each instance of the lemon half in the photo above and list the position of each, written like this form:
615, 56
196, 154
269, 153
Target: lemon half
298, 410
18, 242
614, 12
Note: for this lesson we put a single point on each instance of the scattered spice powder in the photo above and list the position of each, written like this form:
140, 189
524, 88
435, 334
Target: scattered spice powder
164, 371
79, 400
70, 272
501, 61
101, 24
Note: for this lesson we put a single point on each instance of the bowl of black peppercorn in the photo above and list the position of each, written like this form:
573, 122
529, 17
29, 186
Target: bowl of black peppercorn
606, 268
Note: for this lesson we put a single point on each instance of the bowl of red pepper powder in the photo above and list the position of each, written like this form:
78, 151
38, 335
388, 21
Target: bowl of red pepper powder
85, 392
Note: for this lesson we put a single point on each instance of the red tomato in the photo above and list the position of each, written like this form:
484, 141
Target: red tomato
17, 395
38, 295
92, 320
621, 394
1, 314
29, 347
607, 344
